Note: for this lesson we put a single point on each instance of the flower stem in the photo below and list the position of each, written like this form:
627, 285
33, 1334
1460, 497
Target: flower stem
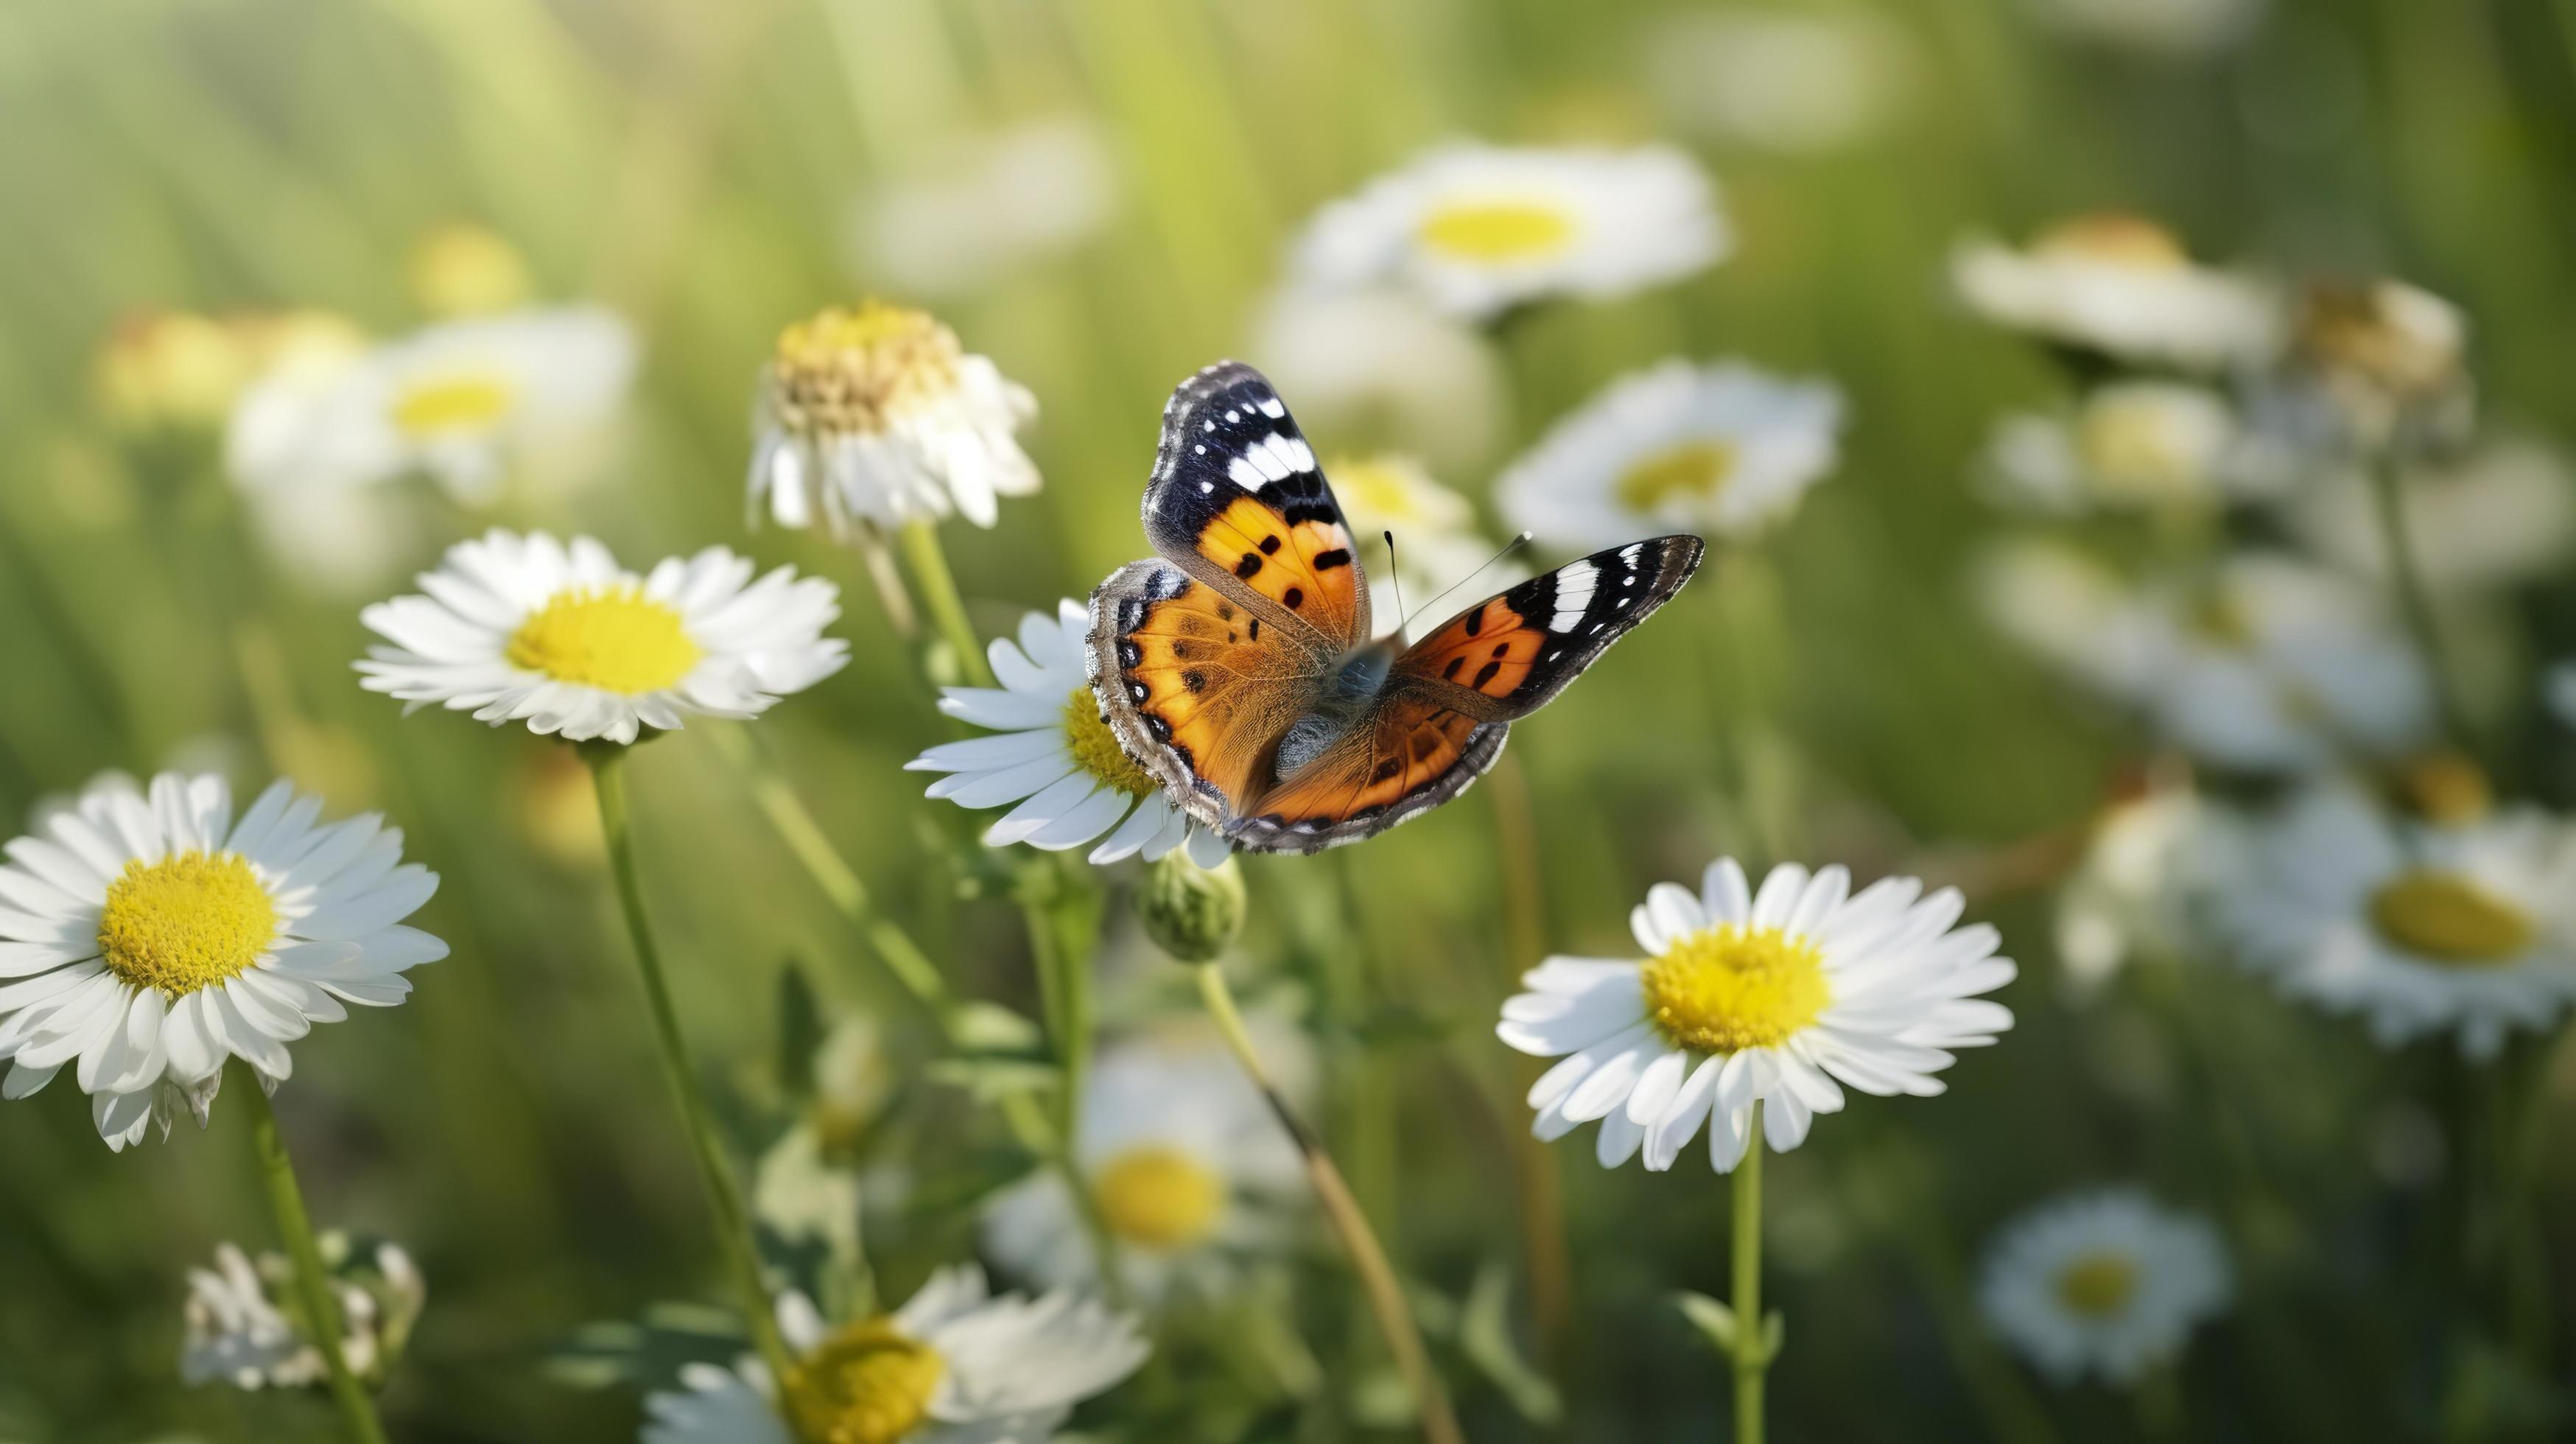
2415, 601
312, 1282
1368, 1258
1525, 928
734, 1237
939, 594
1752, 1331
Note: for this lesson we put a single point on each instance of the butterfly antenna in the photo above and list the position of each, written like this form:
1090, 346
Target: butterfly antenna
1395, 580
1509, 547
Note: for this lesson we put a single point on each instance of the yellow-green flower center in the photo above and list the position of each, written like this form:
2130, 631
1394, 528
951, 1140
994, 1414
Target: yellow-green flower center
1694, 470
1728, 988
843, 372
614, 638
2447, 918
191, 920
444, 405
1096, 748
2097, 1285
1159, 1197
867, 1384
2136, 447
2115, 239
1497, 232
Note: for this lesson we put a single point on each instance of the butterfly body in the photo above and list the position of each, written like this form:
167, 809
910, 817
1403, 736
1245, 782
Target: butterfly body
1240, 672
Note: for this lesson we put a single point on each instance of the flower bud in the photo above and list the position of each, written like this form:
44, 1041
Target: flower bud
1191, 912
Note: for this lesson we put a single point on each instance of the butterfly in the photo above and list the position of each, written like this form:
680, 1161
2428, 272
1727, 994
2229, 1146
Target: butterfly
1238, 670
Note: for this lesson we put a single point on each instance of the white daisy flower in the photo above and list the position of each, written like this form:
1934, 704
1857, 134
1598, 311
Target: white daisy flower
466, 401
1793, 82
1756, 997
2109, 1284
979, 207
2122, 286
2148, 871
1382, 364
1188, 1165
526, 628
1478, 229
2164, 28
2467, 929
2127, 446
877, 417
953, 1366
1053, 754
2500, 515
1437, 541
240, 1333
1722, 448
151, 936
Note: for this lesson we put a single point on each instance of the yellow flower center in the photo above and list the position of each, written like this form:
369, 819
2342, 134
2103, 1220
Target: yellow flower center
866, 1384
1096, 748
1728, 988
188, 921
444, 405
843, 372
2448, 918
1159, 1197
1497, 232
2098, 1285
1694, 470
2133, 447
2114, 238
613, 638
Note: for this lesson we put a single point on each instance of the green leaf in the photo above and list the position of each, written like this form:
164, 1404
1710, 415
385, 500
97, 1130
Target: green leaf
1485, 1337
1711, 1317
800, 1032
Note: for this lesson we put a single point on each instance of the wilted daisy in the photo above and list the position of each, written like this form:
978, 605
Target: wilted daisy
1186, 1162
2122, 286
152, 936
465, 402
1437, 543
242, 1329
1722, 448
525, 628
1477, 229
2109, 1284
877, 416
1054, 755
1792, 81
1382, 365
2502, 514
1756, 997
2127, 446
2171, 28
954, 1366
2467, 929
978, 207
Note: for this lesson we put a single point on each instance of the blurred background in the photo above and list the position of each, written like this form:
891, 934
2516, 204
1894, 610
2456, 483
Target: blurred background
1101, 197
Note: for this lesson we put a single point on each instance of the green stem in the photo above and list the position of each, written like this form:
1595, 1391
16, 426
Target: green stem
1752, 1331
921, 551
312, 1281
1543, 1240
734, 1238
1368, 1257
2415, 601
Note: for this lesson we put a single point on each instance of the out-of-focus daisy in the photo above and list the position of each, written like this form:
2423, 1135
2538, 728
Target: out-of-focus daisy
1054, 755
953, 1366
1752, 997
1796, 82
1437, 543
2109, 1284
466, 402
2502, 514
462, 269
2171, 28
2149, 868
1477, 229
525, 628
2128, 445
1187, 1164
240, 1331
148, 936
977, 207
877, 416
2122, 286
2379, 362
2467, 929
1382, 364
1722, 448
